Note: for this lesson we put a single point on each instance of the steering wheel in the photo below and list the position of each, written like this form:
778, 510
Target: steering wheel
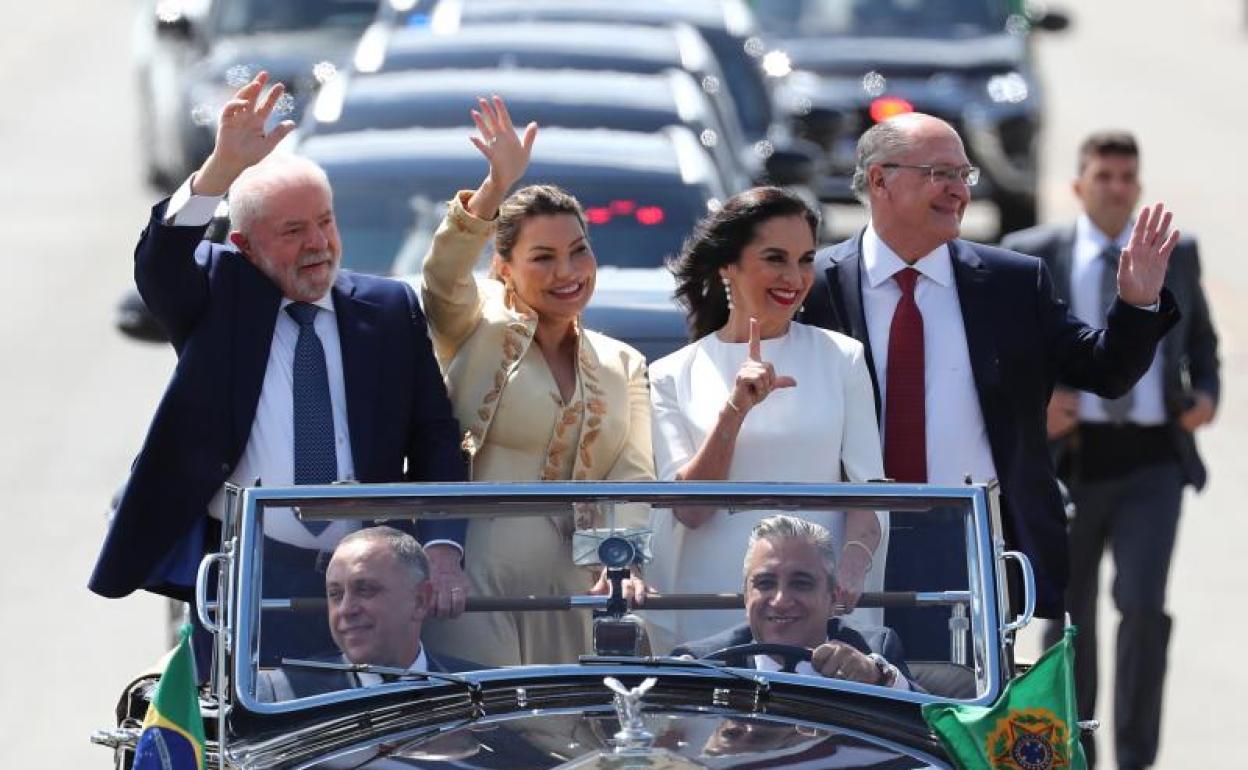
790, 653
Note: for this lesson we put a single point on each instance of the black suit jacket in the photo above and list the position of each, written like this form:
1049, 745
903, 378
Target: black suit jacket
220, 312
880, 640
1189, 353
1022, 339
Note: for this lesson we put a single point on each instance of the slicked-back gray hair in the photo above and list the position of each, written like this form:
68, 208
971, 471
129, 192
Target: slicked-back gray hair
254, 185
882, 142
784, 527
404, 547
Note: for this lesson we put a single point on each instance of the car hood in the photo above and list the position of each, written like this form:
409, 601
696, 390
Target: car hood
903, 56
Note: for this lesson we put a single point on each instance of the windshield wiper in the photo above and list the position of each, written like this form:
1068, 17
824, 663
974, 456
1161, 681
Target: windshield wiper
475, 693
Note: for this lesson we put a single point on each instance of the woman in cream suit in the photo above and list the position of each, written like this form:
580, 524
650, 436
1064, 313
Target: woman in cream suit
538, 396
757, 397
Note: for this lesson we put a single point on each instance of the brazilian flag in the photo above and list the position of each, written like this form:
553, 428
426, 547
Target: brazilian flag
173, 730
1032, 726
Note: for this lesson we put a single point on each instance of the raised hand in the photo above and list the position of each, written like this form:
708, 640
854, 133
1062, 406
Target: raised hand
507, 153
1142, 266
756, 378
241, 138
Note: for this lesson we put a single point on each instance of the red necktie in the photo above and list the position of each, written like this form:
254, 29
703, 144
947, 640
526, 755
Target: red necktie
905, 421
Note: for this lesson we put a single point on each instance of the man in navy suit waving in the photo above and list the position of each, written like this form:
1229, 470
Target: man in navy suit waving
288, 371
966, 341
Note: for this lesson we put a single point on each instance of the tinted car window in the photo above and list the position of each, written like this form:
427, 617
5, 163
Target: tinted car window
919, 18
631, 224
234, 17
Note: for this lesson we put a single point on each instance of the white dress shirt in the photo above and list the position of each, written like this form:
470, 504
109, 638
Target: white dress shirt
420, 666
1086, 269
269, 454
957, 439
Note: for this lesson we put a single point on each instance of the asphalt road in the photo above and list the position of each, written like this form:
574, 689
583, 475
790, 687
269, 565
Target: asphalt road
78, 396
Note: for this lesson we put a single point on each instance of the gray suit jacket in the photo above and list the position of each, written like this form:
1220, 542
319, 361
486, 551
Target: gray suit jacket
1189, 351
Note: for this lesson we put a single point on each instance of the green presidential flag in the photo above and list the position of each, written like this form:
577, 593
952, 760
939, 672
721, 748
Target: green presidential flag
1032, 726
173, 730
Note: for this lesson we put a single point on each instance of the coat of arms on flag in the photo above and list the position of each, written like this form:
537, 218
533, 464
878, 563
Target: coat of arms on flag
1032, 726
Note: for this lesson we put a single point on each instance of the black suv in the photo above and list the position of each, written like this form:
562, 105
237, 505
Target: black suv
847, 64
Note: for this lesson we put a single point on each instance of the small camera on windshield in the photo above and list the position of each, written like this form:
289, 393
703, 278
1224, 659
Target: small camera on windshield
615, 548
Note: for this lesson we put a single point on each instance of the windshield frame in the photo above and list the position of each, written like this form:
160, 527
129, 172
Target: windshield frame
984, 563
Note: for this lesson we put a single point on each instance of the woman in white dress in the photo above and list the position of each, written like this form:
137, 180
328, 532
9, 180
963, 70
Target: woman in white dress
757, 397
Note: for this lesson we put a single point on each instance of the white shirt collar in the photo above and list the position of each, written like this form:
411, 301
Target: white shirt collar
1086, 230
326, 302
882, 263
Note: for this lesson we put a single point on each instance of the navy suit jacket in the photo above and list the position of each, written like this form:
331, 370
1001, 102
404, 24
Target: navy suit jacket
1022, 339
220, 312
1189, 353
880, 640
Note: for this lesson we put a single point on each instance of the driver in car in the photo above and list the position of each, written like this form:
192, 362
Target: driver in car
790, 582
378, 593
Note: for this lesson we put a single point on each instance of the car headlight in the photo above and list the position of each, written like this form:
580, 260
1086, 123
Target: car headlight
1008, 88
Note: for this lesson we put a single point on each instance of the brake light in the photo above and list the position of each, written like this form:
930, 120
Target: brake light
625, 209
889, 106
650, 215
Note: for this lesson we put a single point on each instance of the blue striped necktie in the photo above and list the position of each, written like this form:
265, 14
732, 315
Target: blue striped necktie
316, 461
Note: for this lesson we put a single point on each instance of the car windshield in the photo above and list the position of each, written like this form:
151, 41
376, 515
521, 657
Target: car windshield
386, 230
242, 17
882, 18
359, 615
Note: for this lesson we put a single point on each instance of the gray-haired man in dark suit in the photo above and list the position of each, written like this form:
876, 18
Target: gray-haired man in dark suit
378, 593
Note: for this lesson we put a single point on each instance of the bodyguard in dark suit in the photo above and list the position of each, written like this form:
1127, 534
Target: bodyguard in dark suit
1126, 461
288, 371
965, 343
790, 585
378, 594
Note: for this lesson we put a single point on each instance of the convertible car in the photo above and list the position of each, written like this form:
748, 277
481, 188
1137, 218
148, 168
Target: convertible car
624, 700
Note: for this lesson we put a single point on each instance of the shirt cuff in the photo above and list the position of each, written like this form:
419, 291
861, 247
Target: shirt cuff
186, 209
1153, 308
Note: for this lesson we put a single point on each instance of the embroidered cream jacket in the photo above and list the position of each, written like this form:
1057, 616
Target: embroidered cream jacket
480, 339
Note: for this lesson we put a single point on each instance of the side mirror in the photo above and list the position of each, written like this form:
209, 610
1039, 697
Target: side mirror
172, 22
789, 167
137, 322
1051, 21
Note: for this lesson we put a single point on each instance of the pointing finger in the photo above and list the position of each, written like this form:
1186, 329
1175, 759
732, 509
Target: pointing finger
756, 343
504, 117
783, 381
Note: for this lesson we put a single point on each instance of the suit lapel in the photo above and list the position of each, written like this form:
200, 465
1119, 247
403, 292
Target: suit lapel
1063, 260
361, 371
979, 320
844, 277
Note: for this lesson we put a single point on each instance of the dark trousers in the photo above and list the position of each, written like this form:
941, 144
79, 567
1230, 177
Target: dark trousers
1136, 515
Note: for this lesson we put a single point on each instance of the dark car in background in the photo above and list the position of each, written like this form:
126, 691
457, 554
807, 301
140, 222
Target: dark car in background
727, 26
855, 63
192, 55
642, 193
565, 98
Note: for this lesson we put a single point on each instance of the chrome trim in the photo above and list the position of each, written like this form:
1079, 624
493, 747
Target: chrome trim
982, 567
1029, 593
201, 590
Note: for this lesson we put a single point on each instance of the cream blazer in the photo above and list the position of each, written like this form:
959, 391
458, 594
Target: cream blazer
480, 338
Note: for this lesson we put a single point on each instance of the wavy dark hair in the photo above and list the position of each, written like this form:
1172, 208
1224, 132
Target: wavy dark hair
718, 240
